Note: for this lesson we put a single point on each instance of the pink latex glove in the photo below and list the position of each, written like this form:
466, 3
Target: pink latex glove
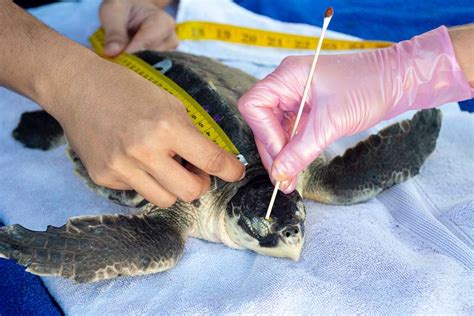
350, 93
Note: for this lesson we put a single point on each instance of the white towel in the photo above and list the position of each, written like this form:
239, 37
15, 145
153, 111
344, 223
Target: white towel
410, 250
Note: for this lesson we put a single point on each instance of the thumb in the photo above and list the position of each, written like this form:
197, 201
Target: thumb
293, 159
317, 131
114, 17
297, 154
260, 108
267, 160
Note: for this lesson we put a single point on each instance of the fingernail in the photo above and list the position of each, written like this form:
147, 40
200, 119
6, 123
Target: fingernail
284, 185
277, 174
113, 48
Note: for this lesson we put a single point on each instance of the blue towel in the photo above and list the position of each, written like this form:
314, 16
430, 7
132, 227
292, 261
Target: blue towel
23, 293
393, 20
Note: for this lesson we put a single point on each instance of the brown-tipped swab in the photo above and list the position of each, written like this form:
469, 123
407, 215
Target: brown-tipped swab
329, 12
327, 18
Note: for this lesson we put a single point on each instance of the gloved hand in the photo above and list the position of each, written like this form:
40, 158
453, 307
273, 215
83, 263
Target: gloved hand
350, 93
134, 25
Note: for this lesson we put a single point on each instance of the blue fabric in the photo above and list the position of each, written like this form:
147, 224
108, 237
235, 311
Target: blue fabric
22, 293
393, 20
467, 105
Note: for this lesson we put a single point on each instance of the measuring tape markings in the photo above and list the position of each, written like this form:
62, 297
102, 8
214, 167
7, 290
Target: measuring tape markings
201, 119
201, 30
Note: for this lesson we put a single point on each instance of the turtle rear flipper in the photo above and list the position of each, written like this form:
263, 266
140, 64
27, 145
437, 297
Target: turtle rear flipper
92, 248
39, 130
391, 156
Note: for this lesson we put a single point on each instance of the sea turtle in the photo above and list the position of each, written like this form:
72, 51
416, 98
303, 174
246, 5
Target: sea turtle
91, 248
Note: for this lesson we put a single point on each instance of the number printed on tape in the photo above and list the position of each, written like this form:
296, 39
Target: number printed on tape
200, 30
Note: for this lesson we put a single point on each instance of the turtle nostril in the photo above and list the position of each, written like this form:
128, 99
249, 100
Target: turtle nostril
291, 231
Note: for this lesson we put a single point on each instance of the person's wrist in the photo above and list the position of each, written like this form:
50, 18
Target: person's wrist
427, 73
463, 44
69, 83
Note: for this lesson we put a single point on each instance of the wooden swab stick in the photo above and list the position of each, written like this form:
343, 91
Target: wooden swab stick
327, 18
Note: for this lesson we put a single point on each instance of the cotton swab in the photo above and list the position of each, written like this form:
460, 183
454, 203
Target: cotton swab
327, 18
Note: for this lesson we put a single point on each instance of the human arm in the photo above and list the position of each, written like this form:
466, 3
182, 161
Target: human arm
134, 25
351, 93
462, 38
126, 131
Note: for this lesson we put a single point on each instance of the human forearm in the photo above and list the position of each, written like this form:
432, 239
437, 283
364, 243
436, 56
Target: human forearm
463, 42
36, 61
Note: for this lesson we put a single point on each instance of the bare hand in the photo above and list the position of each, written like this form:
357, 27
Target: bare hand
127, 132
135, 25
130, 134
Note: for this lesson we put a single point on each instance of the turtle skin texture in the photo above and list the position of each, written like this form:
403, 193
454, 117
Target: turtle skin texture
92, 248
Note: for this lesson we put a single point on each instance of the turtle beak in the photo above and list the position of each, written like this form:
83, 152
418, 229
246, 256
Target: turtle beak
291, 240
283, 250
291, 246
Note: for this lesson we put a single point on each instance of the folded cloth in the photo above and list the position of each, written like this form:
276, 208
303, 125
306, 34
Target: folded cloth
410, 250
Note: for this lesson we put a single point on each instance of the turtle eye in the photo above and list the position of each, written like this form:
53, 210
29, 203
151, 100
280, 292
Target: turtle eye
261, 226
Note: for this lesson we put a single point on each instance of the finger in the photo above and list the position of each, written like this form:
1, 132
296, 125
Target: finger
298, 153
154, 30
114, 16
257, 107
118, 185
289, 186
151, 190
204, 177
266, 158
207, 156
176, 179
285, 186
169, 44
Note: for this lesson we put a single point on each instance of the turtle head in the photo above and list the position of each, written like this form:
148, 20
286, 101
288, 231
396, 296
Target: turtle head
280, 236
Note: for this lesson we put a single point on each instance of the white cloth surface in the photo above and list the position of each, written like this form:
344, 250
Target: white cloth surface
410, 250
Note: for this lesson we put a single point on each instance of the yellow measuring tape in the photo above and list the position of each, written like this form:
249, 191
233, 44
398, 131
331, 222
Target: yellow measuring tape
200, 30
203, 121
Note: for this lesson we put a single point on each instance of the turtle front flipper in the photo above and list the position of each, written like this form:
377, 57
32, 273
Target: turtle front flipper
392, 156
92, 248
39, 130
